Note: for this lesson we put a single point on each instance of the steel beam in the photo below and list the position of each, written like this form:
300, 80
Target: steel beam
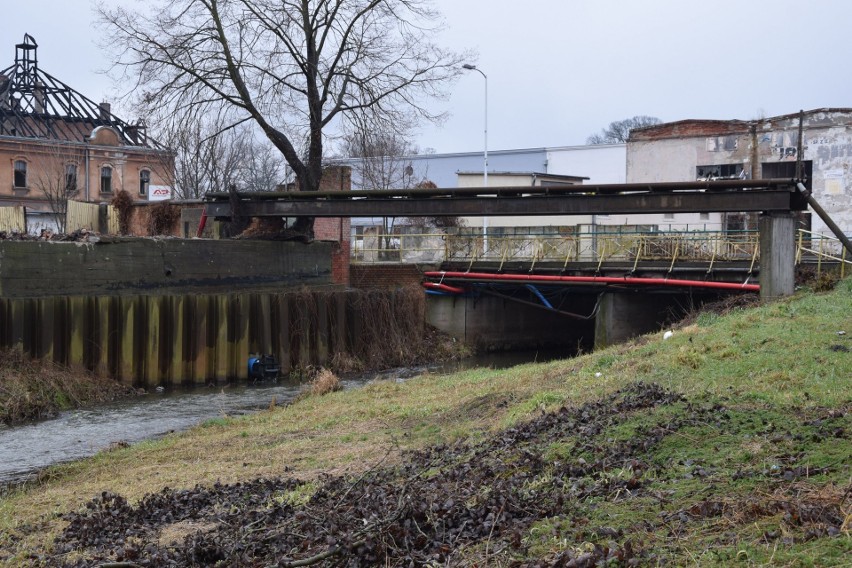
562, 204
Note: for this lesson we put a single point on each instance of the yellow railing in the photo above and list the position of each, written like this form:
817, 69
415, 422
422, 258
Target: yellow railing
821, 248
601, 247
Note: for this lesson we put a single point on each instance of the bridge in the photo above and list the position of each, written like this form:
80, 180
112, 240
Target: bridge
602, 272
774, 199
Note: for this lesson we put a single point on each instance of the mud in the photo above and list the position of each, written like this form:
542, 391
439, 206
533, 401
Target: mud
462, 504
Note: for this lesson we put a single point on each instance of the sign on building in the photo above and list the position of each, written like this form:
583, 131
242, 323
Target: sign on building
159, 192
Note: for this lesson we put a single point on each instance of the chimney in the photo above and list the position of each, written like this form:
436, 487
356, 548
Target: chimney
38, 94
105, 110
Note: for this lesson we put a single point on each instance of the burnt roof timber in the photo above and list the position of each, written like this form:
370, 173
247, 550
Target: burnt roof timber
35, 104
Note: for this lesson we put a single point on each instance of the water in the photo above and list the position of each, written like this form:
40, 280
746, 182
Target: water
80, 433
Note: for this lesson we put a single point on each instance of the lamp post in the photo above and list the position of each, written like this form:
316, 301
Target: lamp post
470, 67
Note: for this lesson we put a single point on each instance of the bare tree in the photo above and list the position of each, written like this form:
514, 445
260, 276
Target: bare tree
210, 158
619, 131
55, 176
293, 67
263, 169
206, 160
382, 162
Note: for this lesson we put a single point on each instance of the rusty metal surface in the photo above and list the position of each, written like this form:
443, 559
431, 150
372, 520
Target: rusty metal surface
461, 204
514, 191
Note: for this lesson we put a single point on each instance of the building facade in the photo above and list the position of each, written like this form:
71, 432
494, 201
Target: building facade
690, 150
57, 145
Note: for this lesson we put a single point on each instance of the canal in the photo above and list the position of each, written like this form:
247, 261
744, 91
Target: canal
25, 449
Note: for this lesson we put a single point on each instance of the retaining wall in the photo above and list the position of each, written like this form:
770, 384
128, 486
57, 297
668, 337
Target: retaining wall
122, 266
200, 338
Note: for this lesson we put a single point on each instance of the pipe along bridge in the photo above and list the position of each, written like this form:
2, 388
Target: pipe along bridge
496, 309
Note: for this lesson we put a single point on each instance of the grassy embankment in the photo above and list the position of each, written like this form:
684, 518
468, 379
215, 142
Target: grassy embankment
748, 460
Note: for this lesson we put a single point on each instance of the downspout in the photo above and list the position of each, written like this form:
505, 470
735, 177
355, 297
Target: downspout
87, 172
755, 165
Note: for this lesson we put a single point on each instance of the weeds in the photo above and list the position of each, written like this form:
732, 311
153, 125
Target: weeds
37, 389
123, 203
162, 219
324, 382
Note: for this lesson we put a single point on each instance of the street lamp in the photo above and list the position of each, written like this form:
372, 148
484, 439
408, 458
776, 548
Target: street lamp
470, 67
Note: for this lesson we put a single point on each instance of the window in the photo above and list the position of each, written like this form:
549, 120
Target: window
70, 177
20, 174
144, 182
787, 170
719, 171
704, 216
106, 179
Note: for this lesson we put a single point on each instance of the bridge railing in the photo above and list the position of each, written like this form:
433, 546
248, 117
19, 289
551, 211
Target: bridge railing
597, 247
817, 248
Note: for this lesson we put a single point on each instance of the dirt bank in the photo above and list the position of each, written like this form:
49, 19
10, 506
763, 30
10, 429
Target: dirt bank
494, 502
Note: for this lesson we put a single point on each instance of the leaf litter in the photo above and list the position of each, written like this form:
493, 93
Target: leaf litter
459, 504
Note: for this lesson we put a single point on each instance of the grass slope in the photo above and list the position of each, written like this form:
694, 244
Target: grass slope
728, 442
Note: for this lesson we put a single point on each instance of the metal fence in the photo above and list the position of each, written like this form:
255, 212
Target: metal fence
597, 247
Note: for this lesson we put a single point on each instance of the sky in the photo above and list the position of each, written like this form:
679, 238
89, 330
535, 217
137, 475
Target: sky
560, 70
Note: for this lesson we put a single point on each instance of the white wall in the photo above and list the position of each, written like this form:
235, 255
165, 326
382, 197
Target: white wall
604, 163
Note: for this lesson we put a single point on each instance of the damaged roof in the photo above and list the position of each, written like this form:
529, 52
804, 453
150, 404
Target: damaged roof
35, 104
697, 127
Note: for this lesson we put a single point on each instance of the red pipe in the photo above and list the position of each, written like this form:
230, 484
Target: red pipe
544, 279
201, 223
443, 287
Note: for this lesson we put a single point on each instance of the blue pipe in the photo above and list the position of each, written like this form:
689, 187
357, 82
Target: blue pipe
541, 297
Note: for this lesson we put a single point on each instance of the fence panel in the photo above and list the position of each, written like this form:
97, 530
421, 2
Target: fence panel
12, 219
81, 215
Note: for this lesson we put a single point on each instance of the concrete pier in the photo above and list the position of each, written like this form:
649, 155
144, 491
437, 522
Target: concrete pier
777, 255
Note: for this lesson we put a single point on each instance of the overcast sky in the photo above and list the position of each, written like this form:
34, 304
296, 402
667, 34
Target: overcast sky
560, 70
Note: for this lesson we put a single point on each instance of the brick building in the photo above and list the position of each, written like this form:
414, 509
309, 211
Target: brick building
56, 145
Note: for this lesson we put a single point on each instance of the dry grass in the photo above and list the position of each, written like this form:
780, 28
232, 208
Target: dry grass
37, 389
324, 382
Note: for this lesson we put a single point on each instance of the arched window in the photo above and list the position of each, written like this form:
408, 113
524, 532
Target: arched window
70, 177
106, 179
144, 181
20, 181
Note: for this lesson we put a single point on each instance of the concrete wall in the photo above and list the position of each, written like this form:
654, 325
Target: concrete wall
495, 324
145, 266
